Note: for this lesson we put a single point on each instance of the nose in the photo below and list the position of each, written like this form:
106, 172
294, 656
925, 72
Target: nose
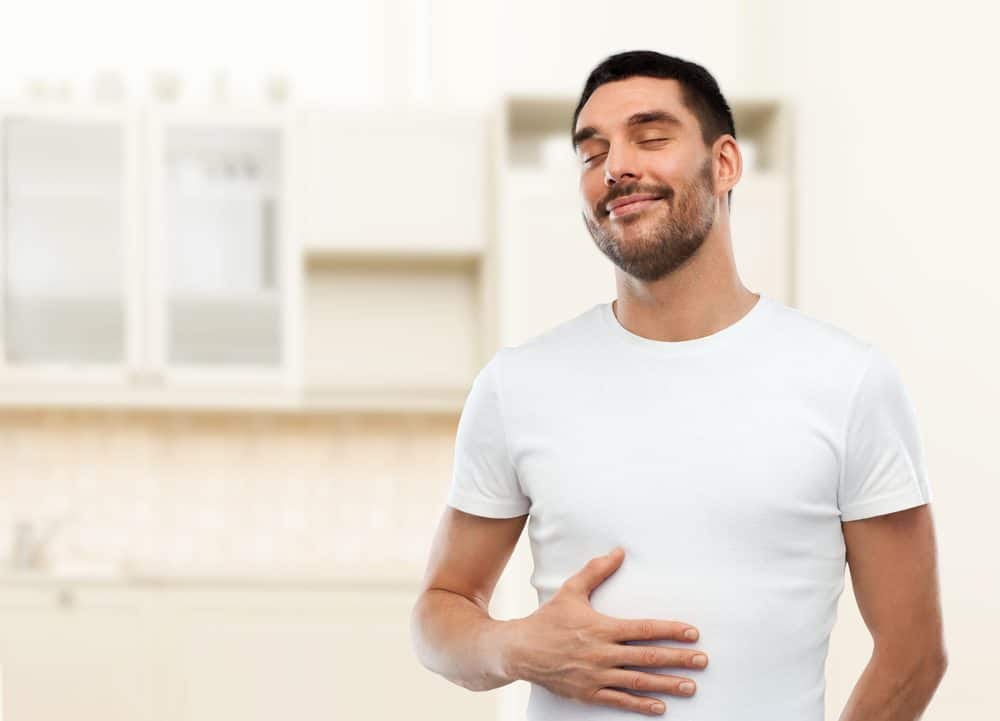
619, 164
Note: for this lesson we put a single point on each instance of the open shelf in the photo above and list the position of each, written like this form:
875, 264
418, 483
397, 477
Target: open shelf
404, 331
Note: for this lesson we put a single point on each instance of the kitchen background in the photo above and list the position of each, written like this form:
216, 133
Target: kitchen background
252, 258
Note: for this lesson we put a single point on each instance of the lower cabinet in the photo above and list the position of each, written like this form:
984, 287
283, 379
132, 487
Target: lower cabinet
198, 653
75, 653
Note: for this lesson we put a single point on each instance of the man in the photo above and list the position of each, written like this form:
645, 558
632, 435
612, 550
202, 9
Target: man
731, 452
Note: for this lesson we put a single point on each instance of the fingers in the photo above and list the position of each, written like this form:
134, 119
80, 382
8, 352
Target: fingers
627, 701
642, 681
646, 629
626, 655
595, 571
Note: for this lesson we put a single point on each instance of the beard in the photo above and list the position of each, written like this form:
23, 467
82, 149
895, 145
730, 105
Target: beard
665, 241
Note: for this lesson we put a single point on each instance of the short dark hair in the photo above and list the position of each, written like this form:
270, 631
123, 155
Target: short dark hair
699, 90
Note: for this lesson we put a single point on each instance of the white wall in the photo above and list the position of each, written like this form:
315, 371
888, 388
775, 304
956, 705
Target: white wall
897, 163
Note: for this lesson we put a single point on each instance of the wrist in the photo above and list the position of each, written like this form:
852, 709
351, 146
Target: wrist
511, 634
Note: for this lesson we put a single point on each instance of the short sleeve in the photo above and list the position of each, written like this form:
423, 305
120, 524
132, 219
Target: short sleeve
484, 481
883, 469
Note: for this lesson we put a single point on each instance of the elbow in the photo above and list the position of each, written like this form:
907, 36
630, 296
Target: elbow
940, 663
936, 660
934, 665
418, 640
934, 670
432, 658
929, 662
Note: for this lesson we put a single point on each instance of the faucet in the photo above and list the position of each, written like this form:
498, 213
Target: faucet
30, 543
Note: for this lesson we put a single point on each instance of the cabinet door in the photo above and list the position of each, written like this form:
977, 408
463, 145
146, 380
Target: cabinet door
260, 655
220, 247
74, 653
541, 229
68, 261
400, 179
761, 234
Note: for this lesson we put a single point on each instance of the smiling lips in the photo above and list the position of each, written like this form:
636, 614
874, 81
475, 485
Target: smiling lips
630, 204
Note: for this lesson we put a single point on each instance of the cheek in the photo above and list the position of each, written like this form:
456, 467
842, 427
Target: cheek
591, 190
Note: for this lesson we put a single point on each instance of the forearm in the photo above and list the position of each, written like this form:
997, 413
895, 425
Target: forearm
457, 638
894, 688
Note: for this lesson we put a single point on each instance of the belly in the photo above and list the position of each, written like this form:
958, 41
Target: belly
766, 641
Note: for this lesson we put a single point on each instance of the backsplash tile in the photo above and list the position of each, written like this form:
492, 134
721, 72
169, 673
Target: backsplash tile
155, 487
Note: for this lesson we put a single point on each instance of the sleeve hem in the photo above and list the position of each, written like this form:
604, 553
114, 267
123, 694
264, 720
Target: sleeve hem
890, 503
490, 508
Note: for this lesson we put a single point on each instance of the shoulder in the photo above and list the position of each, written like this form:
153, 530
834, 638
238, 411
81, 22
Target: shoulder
817, 345
556, 345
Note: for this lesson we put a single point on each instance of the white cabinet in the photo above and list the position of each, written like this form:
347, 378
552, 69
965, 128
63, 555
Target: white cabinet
764, 246
146, 251
761, 230
397, 221
543, 233
75, 653
156, 255
219, 653
69, 250
405, 334
396, 179
224, 271
258, 655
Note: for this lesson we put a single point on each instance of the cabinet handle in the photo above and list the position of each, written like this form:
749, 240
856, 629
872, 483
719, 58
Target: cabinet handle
66, 598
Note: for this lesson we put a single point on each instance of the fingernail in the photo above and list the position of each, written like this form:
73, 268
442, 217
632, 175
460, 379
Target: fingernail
656, 708
699, 660
691, 633
687, 687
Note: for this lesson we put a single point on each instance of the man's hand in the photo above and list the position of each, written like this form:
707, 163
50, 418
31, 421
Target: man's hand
576, 652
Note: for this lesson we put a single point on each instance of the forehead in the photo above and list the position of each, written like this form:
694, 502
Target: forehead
611, 104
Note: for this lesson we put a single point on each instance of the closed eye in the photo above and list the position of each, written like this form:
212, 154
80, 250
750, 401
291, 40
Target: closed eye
650, 140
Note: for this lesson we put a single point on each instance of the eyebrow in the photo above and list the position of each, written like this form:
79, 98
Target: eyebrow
647, 116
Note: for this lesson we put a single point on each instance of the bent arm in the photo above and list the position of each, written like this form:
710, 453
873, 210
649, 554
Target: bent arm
452, 631
456, 638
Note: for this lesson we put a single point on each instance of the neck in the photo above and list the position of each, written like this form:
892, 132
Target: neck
701, 297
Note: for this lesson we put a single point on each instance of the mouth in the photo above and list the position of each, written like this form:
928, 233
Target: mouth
635, 206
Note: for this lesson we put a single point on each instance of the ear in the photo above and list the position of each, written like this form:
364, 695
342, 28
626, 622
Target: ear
729, 163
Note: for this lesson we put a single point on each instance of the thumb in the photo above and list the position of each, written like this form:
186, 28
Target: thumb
596, 571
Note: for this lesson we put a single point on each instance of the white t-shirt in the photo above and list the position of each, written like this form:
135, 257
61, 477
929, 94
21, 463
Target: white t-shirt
723, 465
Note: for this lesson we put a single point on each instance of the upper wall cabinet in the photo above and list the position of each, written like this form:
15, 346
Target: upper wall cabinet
396, 180
68, 227
151, 248
223, 270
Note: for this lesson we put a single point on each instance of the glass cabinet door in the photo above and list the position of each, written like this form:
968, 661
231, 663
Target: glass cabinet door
64, 235
221, 246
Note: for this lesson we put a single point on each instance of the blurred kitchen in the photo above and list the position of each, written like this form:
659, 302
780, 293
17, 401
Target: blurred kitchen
253, 256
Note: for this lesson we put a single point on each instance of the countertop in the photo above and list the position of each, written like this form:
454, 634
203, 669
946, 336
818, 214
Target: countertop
389, 575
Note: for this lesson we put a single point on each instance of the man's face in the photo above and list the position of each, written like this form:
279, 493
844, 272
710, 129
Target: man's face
664, 157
